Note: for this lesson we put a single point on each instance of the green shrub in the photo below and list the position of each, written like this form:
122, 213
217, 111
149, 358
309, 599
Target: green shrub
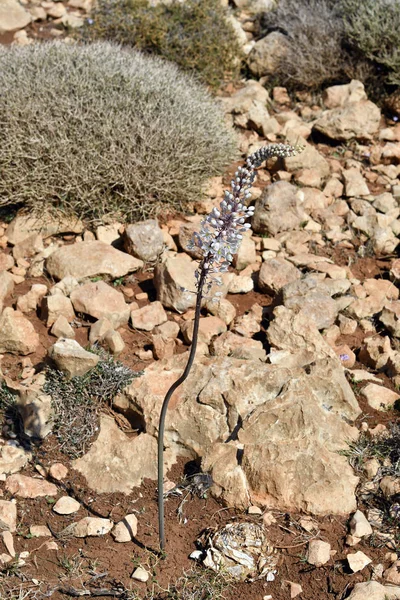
372, 28
333, 41
194, 34
96, 130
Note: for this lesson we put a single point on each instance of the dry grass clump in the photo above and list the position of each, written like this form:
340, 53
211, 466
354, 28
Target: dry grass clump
333, 41
194, 34
98, 130
77, 402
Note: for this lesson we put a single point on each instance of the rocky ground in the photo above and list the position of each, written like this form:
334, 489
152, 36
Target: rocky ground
291, 407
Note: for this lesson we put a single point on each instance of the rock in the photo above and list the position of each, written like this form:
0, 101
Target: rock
55, 306
71, 358
239, 103
265, 57
295, 589
91, 527
223, 309
28, 247
62, 329
376, 352
100, 300
6, 285
340, 95
28, 487
117, 463
250, 323
140, 574
109, 234
308, 158
276, 273
358, 561
378, 397
23, 226
354, 183
208, 328
8, 515
39, 531
36, 412
319, 553
369, 590
246, 254
13, 16
58, 471
99, 329
162, 348
240, 284
358, 120
296, 332
185, 236
254, 510
390, 317
149, 316
311, 298
32, 299
114, 341
392, 575
231, 344
125, 530
89, 259
144, 240
65, 286
12, 459
359, 525
17, 334
278, 209
390, 485
66, 506
168, 330
6, 261
175, 282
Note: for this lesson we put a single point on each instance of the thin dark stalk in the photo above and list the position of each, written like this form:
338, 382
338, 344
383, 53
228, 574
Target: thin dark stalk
164, 408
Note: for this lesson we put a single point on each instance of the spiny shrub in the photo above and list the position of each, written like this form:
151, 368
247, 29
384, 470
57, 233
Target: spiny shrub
194, 34
77, 402
96, 130
333, 41
372, 28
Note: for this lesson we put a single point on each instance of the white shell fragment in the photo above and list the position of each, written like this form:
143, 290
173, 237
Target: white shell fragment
242, 550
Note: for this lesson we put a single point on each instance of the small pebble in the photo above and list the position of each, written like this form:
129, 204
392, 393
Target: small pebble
140, 574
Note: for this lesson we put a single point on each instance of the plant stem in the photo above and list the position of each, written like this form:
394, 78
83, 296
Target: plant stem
164, 408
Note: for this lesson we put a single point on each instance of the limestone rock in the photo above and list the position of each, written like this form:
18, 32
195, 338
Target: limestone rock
6, 285
246, 254
358, 561
144, 240
140, 574
340, 95
55, 306
36, 412
359, 525
223, 309
208, 328
28, 247
62, 329
6, 261
58, 471
379, 397
100, 300
358, 120
91, 527
8, 515
319, 553
114, 341
89, 259
28, 487
237, 346
31, 300
99, 329
71, 358
12, 459
354, 183
390, 317
17, 334
66, 506
276, 273
308, 158
278, 209
125, 530
264, 59
39, 531
23, 226
13, 16
175, 282
149, 316
117, 463
240, 102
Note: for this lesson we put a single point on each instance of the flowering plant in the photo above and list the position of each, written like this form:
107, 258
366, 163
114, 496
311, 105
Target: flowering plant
218, 240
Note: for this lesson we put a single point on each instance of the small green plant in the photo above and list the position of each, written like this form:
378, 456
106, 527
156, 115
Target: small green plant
195, 34
77, 402
96, 130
